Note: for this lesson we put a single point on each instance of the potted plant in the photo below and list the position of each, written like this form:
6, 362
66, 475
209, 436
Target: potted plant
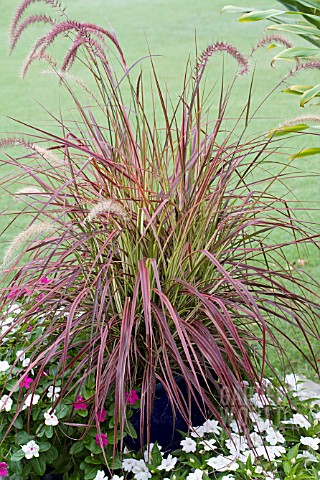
150, 262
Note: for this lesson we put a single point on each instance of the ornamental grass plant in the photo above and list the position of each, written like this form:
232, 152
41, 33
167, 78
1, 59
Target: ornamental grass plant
151, 254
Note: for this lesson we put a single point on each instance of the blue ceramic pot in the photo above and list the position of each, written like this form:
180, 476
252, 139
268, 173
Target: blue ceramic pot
165, 422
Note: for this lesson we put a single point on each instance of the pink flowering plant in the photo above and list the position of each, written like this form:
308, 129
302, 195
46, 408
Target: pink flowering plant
152, 255
51, 429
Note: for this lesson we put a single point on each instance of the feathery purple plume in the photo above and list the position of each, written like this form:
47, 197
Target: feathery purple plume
22, 8
84, 30
16, 34
221, 47
267, 40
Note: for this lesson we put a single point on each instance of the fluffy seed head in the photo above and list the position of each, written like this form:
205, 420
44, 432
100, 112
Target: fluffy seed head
221, 47
35, 229
109, 206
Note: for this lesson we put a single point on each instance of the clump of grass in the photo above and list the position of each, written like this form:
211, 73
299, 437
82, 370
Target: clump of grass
166, 243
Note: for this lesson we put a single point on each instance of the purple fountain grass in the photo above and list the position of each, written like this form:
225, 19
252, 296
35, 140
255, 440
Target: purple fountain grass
163, 260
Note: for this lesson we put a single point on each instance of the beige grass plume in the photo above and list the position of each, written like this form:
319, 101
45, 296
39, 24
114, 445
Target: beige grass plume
35, 229
106, 206
301, 120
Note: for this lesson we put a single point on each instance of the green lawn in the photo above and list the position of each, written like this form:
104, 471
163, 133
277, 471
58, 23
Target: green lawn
167, 28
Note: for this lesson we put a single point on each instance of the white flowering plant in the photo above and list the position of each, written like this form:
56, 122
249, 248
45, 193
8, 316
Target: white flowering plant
283, 444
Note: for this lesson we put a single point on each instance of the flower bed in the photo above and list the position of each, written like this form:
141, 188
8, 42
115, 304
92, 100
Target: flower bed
282, 442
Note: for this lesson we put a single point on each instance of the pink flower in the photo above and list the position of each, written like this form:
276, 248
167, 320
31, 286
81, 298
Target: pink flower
79, 404
3, 469
45, 280
14, 292
26, 291
30, 328
102, 440
101, 415
132, 397
40, 297
26, 382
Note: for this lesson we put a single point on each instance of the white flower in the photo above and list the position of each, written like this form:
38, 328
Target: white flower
310, 442
20, 355
31, 400
100, 475
168, 463
147, 453
208, 445
140, 470
258, 469
26, 361
188, 445
198, 432
196, 475
222, 464
116, 477
309, 457
292, 380
260, 400
228, 477
14, 309
259, 424
236, 444
4, 366
256, 439
274, 437
211, 426
128, 464
300, 420
53, 392
6, 403
235, 427
50, 419
270, 452
31, 449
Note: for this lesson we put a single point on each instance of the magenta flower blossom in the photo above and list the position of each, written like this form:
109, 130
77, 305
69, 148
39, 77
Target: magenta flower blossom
45, 280
101, 415
26, 382
3, 469
132, 397
14, 292
40, 297
102, 440
80, 403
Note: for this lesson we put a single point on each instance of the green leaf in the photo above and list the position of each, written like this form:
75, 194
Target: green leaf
76, 448
44, 446
51, 455
18, 423
297, 52
307, 152
92, 460
286, 467
293, 452
17, 456
22, 438
48, 431
156, 457
297, 89
297, 29
309, 95
39, 465
280, 132
234, 9
256, 15
130, 430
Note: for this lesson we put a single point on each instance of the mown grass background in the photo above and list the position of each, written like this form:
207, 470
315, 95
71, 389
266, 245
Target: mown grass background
167, 28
